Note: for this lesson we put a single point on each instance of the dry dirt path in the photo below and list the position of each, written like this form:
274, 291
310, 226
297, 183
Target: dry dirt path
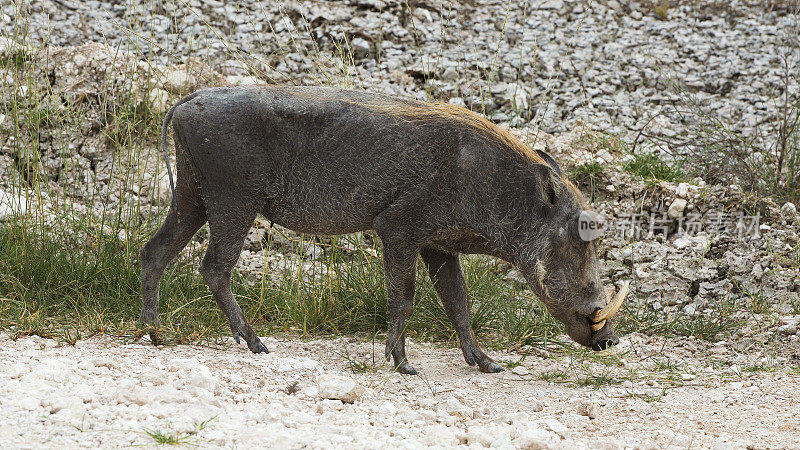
106, 392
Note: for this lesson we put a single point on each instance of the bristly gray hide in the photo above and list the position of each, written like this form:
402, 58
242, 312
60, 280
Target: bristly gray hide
432, 180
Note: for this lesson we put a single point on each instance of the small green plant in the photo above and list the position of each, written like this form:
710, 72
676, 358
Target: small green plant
651, 167
587, 171
166, 438
647, 398
361, 366
756, 368
16, 59
366, 365
587, 175
795, 303
83, 426
509, 363
667, 365
759, 303
556, 376
597, 380
582, 376
595, 142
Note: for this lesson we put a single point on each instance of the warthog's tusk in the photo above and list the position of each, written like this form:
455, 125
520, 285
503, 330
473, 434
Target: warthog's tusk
597, 326
600, 317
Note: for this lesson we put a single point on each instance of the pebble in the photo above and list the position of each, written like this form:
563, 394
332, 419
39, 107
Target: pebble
520, 370
178, 81
555, 426
339, 388
587, 408
532, 437
676, 208
454, 407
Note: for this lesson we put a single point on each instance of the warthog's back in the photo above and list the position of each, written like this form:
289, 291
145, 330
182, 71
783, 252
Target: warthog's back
325, 160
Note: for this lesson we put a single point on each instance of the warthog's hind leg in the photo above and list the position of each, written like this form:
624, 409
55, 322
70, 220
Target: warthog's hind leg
229, 223
445, 271
176, 231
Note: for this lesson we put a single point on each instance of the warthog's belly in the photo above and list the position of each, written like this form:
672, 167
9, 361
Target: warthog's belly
319, 212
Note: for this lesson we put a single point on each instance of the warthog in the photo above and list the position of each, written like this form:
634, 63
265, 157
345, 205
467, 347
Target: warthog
430, 179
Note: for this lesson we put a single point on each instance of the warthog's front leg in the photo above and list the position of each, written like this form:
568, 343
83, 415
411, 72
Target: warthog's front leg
445, 271
400, 267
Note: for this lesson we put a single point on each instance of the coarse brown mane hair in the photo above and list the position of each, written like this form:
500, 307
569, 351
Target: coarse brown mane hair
412, 110
576, 193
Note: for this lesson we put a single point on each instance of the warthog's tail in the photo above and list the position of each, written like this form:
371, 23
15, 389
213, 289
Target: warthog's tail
164, 127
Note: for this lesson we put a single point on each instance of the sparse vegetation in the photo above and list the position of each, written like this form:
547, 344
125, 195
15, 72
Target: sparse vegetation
167, 438
16, 59
653, 168
765, 161
581, 375
711, 325
587, 175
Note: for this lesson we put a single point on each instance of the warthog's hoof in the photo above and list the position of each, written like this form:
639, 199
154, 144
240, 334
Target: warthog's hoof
156, 338
491, 367
254, 345
259, 348
406, 368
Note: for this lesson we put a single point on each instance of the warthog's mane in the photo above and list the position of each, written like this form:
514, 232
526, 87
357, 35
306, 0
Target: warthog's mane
412, 110
432, 112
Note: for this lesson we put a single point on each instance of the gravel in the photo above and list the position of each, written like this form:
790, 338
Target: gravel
105, 392
556, 63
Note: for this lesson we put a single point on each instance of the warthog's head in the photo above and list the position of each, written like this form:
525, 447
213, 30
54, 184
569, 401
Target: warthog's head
559, 261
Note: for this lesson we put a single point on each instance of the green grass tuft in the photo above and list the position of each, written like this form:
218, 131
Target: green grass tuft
164, 438
651, 167
16, 59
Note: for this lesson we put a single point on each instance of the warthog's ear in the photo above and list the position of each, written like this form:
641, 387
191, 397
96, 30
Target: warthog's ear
550, 161
587, 226
546, 181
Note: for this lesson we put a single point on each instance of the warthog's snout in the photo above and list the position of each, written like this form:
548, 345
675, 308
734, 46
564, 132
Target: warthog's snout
604, 338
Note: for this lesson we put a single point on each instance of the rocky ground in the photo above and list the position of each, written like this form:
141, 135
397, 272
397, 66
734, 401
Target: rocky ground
558, 70
608, 63
646, 393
